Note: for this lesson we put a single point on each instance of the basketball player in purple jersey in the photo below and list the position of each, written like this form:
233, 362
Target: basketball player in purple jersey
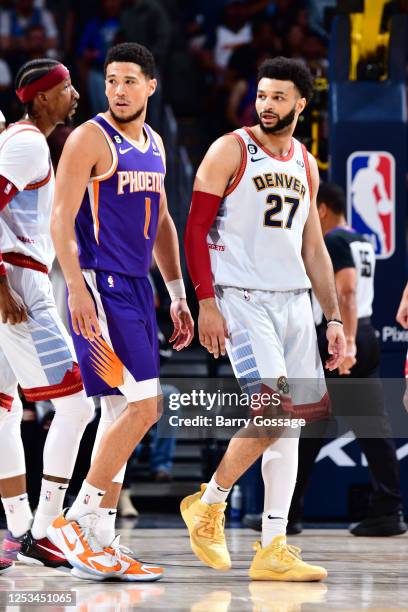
110, 215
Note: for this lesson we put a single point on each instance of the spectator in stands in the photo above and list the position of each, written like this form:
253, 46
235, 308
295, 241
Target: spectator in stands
147, 22
36, 43
233, 31
5, 85
265, 43
99, 34
15, 23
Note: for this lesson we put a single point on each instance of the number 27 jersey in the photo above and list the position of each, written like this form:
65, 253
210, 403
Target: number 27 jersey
256, 239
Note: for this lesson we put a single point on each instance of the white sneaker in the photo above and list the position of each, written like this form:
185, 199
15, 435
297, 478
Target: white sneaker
78, 542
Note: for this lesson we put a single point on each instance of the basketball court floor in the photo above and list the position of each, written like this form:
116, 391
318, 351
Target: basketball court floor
365, 574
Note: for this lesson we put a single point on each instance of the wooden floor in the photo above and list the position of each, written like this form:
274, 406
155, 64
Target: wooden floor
369, 574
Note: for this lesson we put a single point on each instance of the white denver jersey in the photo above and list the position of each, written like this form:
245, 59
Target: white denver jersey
25, 221
256, 239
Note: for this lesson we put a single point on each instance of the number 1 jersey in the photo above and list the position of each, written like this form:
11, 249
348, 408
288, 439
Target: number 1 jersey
256, 239
116, 224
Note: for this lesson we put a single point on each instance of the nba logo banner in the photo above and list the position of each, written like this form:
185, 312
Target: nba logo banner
371, 198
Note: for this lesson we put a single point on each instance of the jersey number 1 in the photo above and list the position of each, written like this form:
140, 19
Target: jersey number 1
147, 218
277, 205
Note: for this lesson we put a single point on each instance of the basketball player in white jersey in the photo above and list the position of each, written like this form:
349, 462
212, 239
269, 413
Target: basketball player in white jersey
36, 351
254, 248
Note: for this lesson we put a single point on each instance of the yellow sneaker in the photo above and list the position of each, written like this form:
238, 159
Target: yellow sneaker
281, 561
205, 524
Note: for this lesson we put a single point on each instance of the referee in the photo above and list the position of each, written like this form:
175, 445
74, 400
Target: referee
353, 261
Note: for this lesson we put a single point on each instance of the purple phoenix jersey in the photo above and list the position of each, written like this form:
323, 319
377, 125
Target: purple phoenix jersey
117, 222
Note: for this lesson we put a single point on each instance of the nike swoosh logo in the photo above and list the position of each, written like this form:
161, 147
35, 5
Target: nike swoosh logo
53, 552
222, 490
67, 542
123, 151
111, 512
63, 488
197, 286
102, 568
101, 494
255, 159
22, 498
274, 517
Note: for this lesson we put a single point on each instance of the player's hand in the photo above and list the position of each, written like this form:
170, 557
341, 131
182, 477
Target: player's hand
212, 328
336, 347
83, 314
349, 359
12, 307
402, 314
183, 331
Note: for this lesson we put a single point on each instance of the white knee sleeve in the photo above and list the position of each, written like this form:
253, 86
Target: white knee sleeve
279, 472
12, 461
112, 407
72, 415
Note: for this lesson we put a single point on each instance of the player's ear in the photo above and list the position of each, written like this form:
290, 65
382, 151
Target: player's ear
300, 105
152, 87
322, 210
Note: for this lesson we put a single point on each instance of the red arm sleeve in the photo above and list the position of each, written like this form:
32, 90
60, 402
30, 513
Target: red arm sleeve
204, 208
7, 192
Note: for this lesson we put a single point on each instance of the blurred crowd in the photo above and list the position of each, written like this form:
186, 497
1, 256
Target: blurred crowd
206, 52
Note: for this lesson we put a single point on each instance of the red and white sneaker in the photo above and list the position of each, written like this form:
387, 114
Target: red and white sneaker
41, 552
5, 565
78, 542
131, 570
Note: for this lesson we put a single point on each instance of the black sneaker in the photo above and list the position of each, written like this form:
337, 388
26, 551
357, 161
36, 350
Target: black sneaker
253, 521
42, 552
294, 527
380, 526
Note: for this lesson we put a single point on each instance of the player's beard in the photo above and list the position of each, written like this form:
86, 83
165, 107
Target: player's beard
129, 118
281, 124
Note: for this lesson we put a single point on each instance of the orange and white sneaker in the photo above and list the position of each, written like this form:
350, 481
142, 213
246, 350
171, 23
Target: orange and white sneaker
78, 542
131, 570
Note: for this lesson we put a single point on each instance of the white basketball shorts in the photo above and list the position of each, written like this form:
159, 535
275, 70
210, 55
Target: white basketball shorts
38, 354
272, 340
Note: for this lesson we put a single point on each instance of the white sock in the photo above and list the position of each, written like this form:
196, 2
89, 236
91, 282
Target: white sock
18, 514
279, 472
87, 501
214, 494
105, 526
49, 506
272, 526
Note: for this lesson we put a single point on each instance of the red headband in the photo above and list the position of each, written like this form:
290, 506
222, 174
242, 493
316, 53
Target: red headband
55, 76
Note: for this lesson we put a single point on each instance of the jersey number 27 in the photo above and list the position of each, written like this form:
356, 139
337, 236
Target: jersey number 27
277, 205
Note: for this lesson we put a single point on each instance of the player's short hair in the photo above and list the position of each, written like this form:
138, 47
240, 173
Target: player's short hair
133, 53
286, 69
333, 196
31, 72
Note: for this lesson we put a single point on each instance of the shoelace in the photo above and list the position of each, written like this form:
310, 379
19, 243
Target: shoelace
119, 550
88, 531
284, 549
215, 526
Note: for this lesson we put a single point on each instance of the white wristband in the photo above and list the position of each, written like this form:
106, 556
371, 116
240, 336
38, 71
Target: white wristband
176, 289
334, 323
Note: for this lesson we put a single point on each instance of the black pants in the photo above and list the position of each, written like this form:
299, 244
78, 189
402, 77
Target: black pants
361, 406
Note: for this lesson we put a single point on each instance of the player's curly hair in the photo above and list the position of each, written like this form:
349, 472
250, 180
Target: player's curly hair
31, 72
133, 53
286, 69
